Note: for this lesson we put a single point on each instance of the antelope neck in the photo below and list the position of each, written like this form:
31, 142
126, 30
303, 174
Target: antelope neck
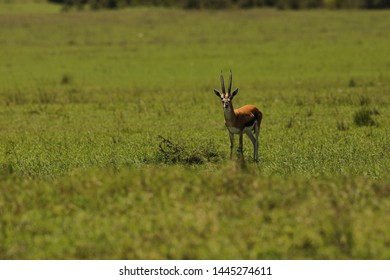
229, 113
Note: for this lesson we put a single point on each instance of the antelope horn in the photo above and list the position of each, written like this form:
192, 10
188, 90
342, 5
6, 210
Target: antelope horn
222, 84
230, 82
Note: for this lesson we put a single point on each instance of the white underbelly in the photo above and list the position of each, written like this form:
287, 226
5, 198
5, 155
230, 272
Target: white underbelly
235, 130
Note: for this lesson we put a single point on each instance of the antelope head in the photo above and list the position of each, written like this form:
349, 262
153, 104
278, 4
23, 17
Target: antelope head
226, 97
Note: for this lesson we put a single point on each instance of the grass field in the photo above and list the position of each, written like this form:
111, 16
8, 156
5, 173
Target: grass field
112, 143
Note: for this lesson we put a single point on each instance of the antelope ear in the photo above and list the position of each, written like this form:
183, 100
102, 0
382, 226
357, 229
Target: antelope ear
217, 93
234, 92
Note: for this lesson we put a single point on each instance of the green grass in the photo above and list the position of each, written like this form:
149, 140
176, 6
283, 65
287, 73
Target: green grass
89, 97
27, 7
177, 213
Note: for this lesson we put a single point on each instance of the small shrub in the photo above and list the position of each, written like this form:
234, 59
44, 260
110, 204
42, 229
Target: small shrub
173, 153
191, 4
216, 4
253, 3
66, 79
352, 83
363, 117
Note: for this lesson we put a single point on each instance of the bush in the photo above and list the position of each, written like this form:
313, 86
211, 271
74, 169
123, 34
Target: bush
377, 4
223, 4
206, 4
252, 3
170, 152
363, 117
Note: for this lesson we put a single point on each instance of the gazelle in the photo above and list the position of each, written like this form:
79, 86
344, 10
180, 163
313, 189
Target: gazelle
245, 119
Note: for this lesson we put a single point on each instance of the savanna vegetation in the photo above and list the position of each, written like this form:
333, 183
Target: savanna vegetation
224, 4
112, 143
